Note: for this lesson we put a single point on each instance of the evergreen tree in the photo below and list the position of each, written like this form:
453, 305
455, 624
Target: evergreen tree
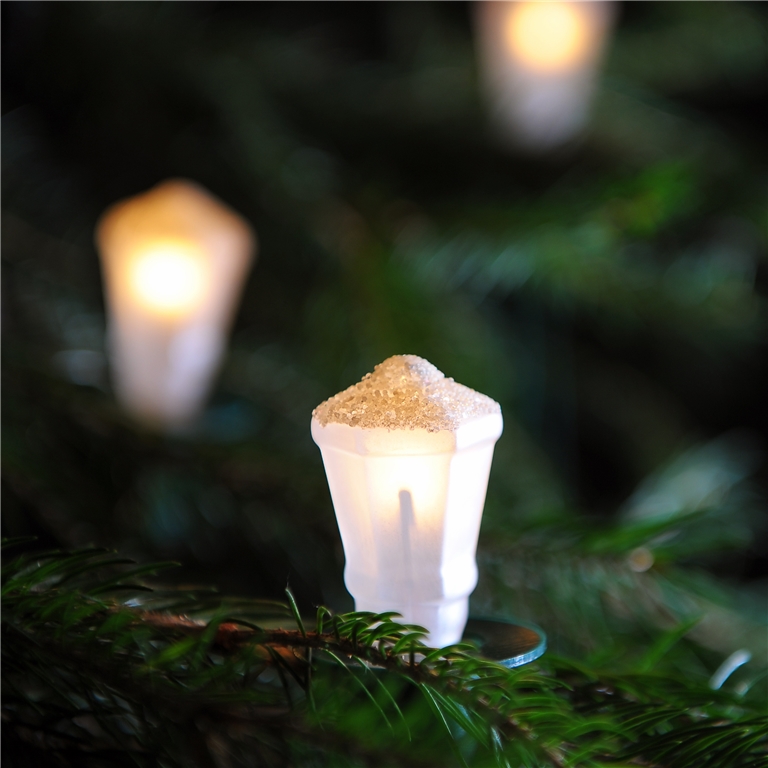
611, 296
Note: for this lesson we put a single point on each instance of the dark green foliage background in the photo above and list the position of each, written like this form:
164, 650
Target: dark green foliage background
611, 296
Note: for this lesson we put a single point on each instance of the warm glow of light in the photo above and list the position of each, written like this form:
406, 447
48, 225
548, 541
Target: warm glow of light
174, 259
409, 504
168, 278
549, 37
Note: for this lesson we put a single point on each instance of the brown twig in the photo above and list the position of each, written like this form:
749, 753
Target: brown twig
231, 636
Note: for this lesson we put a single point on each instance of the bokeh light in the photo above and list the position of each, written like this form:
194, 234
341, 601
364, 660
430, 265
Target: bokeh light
168, 278
549, 37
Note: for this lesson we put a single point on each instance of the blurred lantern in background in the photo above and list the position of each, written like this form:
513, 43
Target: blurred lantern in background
174, 260
539, 62
407, 453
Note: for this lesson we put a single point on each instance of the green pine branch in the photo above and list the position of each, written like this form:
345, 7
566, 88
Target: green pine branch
93, 663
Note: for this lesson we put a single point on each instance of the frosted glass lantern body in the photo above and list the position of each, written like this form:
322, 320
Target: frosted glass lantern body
173, 260
409, 505
539, 63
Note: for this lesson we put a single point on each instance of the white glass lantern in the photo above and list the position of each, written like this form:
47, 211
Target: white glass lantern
539, 62
407, 453
174, 260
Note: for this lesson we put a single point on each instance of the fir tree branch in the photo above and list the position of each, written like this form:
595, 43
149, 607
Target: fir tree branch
91, 651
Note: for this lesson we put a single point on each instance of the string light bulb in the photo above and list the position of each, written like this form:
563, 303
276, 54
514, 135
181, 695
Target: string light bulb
169, 278
539, 61
174, 260
407, 453
548, 36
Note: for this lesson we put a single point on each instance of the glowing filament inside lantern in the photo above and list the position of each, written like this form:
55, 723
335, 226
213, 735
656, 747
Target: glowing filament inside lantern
548, 37
168, 278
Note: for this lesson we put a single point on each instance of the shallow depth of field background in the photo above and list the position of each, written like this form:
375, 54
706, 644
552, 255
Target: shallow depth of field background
610, 295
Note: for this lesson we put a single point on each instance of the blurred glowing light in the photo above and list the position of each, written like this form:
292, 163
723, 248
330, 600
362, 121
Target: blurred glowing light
169, 278
548, 36
174, 260
640, 559
539, 62
407, 454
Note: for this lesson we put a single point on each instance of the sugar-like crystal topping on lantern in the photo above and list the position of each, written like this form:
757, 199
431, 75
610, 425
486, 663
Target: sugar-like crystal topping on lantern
405, 392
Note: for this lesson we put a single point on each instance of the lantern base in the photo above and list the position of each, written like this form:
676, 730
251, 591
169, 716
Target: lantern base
508, 643
445, 619
505, 642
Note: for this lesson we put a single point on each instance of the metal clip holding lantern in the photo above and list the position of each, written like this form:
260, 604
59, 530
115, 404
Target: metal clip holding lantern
539, 62
174, 260
407, 454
